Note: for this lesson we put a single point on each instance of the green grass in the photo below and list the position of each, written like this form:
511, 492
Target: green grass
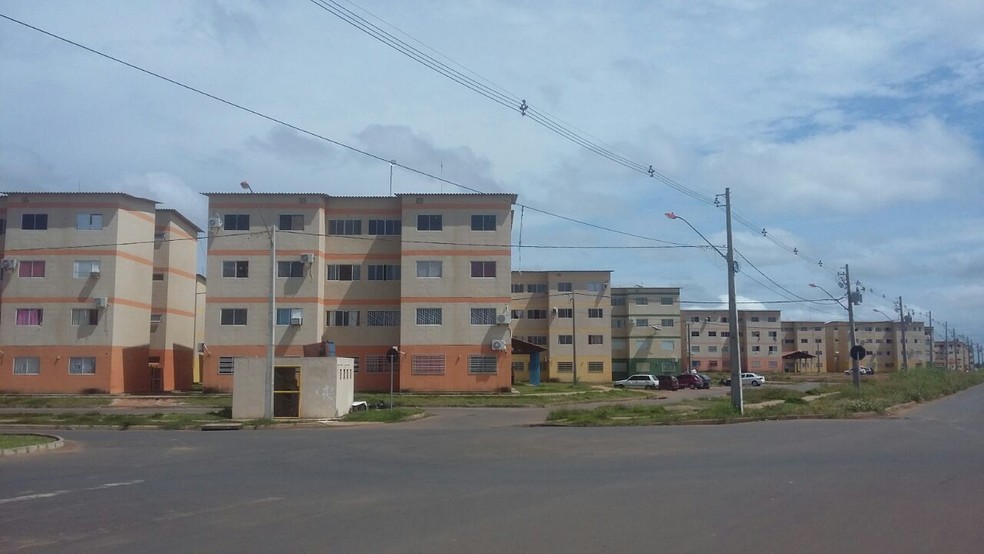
100, 401
384, 415
877, 396
555, 395
119, 421
16, 441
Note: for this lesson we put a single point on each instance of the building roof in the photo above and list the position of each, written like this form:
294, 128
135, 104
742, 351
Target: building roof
324, 195
76, 193
182, 217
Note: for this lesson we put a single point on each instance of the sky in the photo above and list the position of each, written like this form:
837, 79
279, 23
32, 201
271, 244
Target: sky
849, 134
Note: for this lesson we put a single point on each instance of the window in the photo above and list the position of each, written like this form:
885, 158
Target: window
695, 349
383, 318
83, 269
483, 223
536, 314
725, 333
232, 316
565, 367
427, 364
695, 333
82, 366
642, 322
596, 313
596, 367
565, 339
385, 226
343, 272
565, 313
517, 366
342, 318
618, 301
154, 318
227, 364
772, 319
429, 268
285, 315
429, 316
429, 222
291, 222
641, 301
88, 222
482, 364
236, 222
27, 365
596, 339
290, 269
344, 226
666, 300
712, 333
517, 314
565, 287
483, 269
667, 345
380, 363
712, 349
31, 269
85, 316
238, 269
157, 277
29, 316
595, 287
772, 350
666, 323
516, 287
619, 344
483, 316
618, 322
539, 340
756, 348
34, 222
3, 226
383, 272
536, 287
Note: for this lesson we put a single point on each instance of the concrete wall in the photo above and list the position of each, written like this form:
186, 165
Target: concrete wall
327, 386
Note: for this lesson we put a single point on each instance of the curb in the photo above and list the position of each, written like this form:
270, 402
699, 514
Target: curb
58, 442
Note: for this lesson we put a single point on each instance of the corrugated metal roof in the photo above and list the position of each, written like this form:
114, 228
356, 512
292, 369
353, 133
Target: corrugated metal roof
76, 193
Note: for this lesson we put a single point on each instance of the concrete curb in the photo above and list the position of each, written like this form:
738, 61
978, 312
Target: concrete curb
58, 442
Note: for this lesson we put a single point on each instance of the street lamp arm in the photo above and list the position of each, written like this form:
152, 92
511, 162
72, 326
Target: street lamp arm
832, 297
672, 215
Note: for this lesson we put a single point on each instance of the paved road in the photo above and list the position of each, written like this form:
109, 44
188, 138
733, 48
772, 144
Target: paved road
471, 480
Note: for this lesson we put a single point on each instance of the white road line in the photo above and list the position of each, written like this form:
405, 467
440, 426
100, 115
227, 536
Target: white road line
59, 493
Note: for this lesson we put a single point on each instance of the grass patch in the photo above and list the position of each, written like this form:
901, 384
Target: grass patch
62, 401
17, 441
383, 416
877, 396
119, 421
563, 394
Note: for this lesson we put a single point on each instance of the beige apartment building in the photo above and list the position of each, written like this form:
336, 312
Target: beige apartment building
428, 274
804, 346
570, 314
709, 340
97, 294
954, 354
647, 333
882, 342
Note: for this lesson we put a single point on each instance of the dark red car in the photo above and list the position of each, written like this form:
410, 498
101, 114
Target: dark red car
694, 381
668, 382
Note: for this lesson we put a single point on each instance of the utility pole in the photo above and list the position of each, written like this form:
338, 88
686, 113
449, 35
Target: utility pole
946, 346
736, 400
902, 318
932, 339
855, 360
574, 336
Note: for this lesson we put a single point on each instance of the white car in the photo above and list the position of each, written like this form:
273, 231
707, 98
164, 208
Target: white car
639, 381
862, 371
753, 379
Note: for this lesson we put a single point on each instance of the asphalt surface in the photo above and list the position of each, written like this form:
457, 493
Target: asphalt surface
479, 480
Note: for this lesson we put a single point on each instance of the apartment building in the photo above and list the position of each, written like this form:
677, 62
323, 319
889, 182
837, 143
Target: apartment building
647, 334
428, 274
954, 354
709, 340
97, 294
804, 346
882, 342
570, 314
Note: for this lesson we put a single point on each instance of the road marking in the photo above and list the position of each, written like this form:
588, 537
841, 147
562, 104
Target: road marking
59, 493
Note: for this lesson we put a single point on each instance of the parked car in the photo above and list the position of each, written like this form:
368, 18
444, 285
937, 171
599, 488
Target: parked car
862, 370
694, 380
753, 379
639, 381
668, 382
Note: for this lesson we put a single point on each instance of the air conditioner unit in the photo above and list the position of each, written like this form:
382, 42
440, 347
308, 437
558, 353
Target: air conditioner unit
553, 311
498, 345
201, 348
214, 222
100, 301
296, 320
8, 264
95, 274
307, 258
503, 319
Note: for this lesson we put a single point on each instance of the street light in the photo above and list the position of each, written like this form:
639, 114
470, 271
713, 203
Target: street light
735, 355
271, 356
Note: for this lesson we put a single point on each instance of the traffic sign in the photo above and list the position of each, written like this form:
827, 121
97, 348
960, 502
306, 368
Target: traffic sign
858, 352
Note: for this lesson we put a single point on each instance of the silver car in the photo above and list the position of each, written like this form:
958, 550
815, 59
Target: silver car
639, 381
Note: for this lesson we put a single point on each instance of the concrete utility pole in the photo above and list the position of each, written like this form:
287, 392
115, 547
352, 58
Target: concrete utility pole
932, 339
902, 318
736, 398
271, 345
855, 361
574, 337
946, 345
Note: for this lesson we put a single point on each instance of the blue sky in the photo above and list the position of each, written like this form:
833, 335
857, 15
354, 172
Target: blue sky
851, 131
